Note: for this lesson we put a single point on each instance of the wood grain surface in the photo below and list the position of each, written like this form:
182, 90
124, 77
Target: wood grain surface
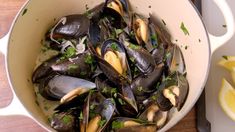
8, 10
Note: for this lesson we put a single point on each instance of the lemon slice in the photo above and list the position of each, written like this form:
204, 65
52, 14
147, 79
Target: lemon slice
227, 99
228, 62
233, 74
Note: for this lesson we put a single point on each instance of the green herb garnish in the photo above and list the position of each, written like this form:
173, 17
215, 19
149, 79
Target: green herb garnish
118, 31
25, 11
225, 57
67, 119
49, 119
102, 122
81, 116
92, 106
154, 97
134, 47
154, 37
184, 29
113, 90
73, 67
69, 53
121, 101
89, 59
83, 73
132, 59
140, 89
114, 46
117, 124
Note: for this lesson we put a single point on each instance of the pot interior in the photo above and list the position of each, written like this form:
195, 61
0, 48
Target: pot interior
38, 16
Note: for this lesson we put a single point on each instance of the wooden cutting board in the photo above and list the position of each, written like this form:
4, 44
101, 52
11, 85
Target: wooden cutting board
8, 10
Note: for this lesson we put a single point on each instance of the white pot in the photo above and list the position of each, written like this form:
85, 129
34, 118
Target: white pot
22, 45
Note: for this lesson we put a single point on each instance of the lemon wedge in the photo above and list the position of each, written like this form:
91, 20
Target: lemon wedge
227, 99
228, 62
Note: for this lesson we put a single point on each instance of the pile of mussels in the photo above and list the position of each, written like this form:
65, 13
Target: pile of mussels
116, 71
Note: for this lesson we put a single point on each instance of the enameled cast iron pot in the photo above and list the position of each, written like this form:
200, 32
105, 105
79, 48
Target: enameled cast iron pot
22, 45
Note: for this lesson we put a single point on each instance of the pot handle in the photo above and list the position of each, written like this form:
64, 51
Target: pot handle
4, 43
14, 108
217, 41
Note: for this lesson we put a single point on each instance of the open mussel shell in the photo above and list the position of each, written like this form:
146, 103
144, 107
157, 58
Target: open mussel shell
173, 91
72, 26
177, 92
114, 52
96, 113
153, 114
142, 32
57, 86
143, 60
124, 124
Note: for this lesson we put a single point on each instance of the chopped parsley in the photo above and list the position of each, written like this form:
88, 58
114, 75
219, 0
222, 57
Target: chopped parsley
81, 116
114, 46
105, 90
73, 66
25, 11
89, 59
168, 55
117, 124
121, 101
154, 37
49, 119
69, 53
118, 31
92, 106
67, 119
154, 97
132, 59
113, 90
134, 47
225, 57
83, 73
184, 29
140, 88
102, 122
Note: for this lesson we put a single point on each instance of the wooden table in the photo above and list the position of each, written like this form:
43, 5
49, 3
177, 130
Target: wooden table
8, 10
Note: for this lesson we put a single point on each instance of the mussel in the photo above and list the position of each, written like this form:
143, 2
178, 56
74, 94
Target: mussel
141, 57
97, 112
70, 27
173, 91
57, 86
114, 53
